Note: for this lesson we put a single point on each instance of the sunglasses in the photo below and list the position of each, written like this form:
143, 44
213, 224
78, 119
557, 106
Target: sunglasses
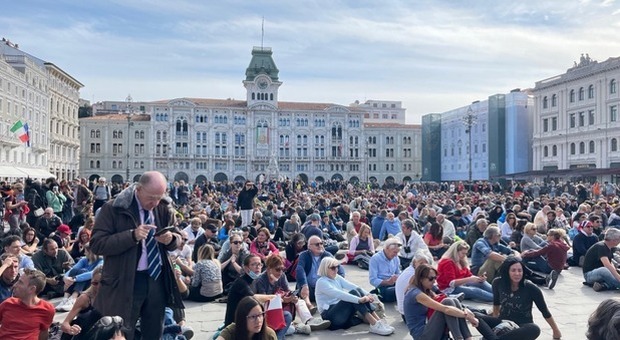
94, 283
432, 278
184, 240
236, 242
333, 267
278, 269
318, 244
108, 320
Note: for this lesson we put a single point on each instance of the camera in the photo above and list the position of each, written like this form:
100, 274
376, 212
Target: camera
407, 249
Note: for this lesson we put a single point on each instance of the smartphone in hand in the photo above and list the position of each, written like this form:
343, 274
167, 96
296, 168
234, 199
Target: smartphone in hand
163, 230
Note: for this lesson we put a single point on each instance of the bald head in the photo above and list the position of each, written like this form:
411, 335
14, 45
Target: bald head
151, 189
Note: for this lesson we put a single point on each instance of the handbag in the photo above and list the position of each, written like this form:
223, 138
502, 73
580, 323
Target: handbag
39, 212
275, 314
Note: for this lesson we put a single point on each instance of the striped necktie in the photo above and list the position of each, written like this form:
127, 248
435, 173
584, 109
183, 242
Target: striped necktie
152, 251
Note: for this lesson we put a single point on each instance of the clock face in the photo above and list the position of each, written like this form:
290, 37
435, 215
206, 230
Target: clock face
262, 84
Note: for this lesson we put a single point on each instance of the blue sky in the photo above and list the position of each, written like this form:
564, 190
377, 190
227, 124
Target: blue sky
431, 55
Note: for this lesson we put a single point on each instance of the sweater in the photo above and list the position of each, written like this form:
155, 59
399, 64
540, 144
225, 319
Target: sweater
554, 251
448, 271
330, 291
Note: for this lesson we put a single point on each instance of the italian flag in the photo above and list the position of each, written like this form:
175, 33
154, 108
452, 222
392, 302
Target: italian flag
21, 130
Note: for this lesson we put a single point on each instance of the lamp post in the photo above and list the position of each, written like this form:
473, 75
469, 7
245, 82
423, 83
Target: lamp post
128, 111
469, 120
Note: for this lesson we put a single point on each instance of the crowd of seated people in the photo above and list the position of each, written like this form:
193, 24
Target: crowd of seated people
279, 232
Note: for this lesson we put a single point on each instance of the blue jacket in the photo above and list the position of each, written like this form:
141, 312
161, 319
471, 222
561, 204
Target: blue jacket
304, 265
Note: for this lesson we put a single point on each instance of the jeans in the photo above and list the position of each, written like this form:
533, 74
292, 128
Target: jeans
78, 286
476, 291
538, 264
342, 313
288, 318
436, 326
604, 276
387, 293
528, 331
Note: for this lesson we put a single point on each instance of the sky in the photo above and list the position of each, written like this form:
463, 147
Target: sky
433, 56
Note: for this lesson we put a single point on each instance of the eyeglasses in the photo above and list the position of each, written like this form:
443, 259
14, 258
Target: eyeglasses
333, 267
278, 269
432, 278
184, 240
318, 244
255, 317
108, 320
94, 283
259, 264
236, 242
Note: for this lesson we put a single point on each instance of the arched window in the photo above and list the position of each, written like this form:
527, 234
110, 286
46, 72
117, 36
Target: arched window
572, 148
271, 96
581, 93
120, 134
614, 144
612, 86
97, 134
590, 91
253, 96
113, 164
554, 100
582, 148
545, 104
137, 135
545, 151
554, 150
591, 146
571, 96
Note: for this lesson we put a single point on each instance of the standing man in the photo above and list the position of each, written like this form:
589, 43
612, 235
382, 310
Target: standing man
245, 202
81, 195
101, 193
25, 316
137, 281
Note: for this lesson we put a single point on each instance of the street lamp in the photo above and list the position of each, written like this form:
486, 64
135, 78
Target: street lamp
469, 120
128, 111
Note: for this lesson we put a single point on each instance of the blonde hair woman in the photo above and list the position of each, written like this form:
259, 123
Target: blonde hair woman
206, 282
454, 276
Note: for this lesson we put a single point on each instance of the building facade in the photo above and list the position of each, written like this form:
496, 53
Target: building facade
39, 94
576, 120
496, 130
196, 139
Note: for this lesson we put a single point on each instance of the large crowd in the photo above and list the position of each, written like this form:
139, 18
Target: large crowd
121, 259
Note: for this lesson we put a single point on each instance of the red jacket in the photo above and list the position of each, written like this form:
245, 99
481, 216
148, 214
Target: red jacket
555, 252
447, 271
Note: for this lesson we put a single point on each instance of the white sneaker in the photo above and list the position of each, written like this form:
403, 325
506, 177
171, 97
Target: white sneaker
318, 324
67, 306
300, 328
386, 324
378, 328
61, 306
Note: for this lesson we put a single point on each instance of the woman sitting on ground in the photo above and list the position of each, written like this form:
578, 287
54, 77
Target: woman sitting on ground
273, 281
206, 284
262, 246
434, 240
508, 226
513, 297
449, 313
78, 278
296, 245
362, 246
250, 323
78, 247
517, 234
30, 241
338, 300
291, 227
232, 260
82, 315
531, 240
550, 258
454, 276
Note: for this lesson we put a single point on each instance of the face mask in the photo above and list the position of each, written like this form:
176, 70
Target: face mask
253, 275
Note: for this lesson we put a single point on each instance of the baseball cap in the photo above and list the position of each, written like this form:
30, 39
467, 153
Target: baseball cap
63, 228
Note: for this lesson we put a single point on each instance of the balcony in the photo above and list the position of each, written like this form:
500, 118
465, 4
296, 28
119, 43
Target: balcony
11, 140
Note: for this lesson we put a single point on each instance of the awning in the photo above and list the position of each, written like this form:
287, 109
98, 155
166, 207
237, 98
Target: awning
11, 171
35, 173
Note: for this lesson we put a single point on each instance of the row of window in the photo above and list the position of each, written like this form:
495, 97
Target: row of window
460, 151
579, 119
580, 94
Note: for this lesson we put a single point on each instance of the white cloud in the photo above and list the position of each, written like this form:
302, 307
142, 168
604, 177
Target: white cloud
432, 55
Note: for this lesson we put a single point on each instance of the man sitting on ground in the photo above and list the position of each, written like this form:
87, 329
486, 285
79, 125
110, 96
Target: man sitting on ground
598, 270
384, 269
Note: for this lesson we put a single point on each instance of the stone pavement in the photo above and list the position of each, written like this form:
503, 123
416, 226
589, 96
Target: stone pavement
570, 303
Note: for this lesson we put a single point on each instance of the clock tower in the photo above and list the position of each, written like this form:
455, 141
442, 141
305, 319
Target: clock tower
261, 78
